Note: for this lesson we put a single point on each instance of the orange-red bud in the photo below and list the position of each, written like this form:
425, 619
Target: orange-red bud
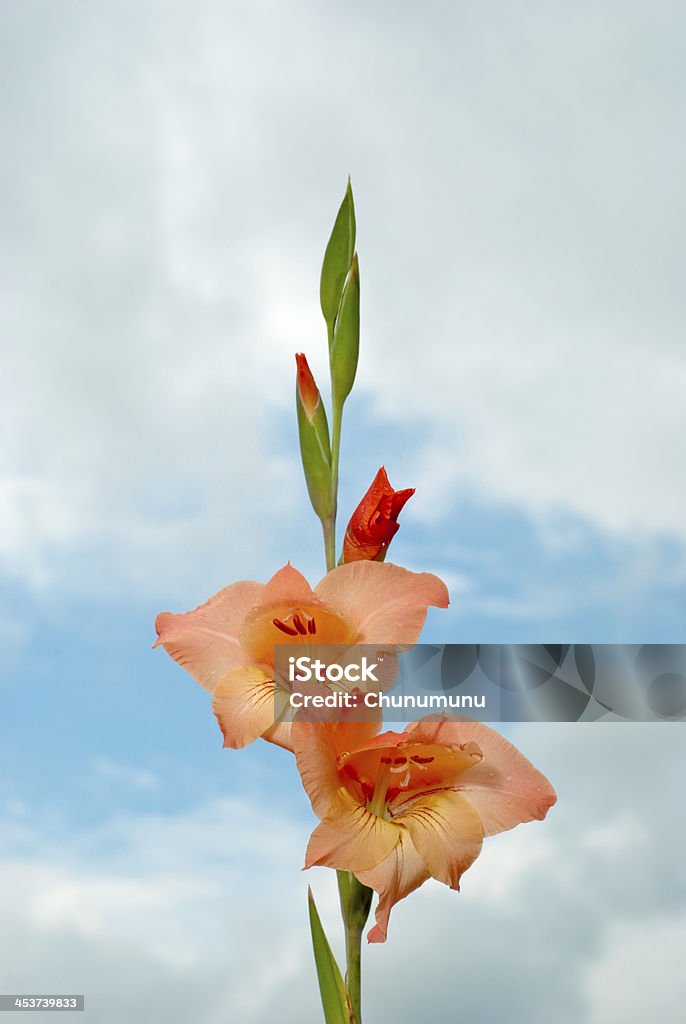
308, 392
374, 523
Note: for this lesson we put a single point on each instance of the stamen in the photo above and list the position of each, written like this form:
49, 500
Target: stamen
385, 760
399, 760
311, 626
421, 760
299, 625
284, 628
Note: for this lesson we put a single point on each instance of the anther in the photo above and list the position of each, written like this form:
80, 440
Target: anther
299, 625
284, 628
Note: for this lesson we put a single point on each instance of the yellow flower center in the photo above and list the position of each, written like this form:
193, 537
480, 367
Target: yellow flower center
382, 773
289, 624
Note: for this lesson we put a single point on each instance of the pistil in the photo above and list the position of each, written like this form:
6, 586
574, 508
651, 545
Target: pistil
377, 804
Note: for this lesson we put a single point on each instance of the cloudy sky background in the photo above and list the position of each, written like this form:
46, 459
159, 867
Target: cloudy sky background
170, 174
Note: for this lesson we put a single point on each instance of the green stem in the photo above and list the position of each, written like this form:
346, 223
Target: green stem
337, 418
353, 959
329, 530
329, 525
356, 900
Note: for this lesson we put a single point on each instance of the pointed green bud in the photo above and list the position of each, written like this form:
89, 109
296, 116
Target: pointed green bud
345, 347
337, 260
315, 447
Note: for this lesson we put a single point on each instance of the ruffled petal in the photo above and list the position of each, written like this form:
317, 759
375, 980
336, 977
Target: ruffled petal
205, 640
384, 603
504, 788
350, 838
288, 585
446, 832
243, 703
394, 878
317, 746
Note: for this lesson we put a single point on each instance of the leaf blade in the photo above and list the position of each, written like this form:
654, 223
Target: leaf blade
331, 984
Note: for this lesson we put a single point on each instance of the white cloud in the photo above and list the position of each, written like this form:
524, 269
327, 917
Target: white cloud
128, 775
592, 429
640, 975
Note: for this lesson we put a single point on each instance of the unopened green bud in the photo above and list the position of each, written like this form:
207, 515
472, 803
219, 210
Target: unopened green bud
315, 447
345, 347
337, 260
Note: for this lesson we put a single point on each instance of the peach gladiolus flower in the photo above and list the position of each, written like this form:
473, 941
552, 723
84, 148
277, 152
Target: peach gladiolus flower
227, 644
374, 523
399, 808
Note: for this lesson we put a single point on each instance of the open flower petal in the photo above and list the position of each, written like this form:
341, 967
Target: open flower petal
287, 585
384, 603
351, 838
243, 703
504, 787
317, 747
280, 735
205, 641
394, 878
446, 831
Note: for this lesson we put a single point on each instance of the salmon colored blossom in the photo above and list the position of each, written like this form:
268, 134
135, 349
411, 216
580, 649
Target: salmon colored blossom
227, 644
399, 808
374, 523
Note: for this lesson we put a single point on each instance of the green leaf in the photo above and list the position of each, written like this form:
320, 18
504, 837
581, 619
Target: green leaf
345, 348
337, 259
331, 983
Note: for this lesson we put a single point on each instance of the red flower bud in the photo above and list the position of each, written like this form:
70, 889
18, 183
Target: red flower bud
374, 523
308, 392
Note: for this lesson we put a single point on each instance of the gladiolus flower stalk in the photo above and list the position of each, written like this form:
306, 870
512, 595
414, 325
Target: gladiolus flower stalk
339, 295
394, 808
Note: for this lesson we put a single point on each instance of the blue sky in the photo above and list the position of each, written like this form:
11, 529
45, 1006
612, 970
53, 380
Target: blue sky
174, 171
